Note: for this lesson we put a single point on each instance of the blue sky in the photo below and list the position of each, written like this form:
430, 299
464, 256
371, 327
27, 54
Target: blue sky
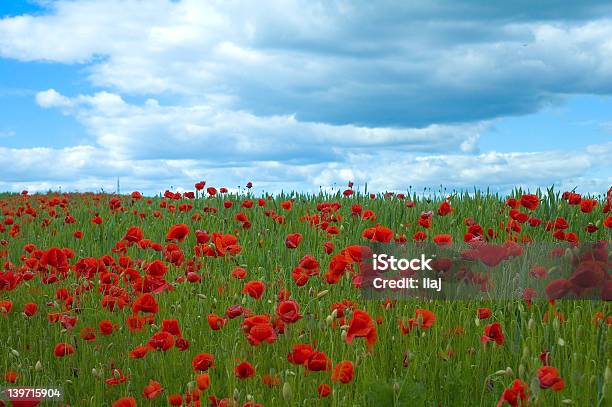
303, 95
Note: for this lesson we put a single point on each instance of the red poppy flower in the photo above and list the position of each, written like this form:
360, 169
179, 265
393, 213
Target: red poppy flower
202, 362
587, 205
106, 327
293, 240
444, 209
343, 372
515, 394
548, 377
557, 288
152, 390
10, 376
125, 402
530, 201
145, 303
519, 216
317, 362
361, 326
134, 234
423, 318
171, 326
216, 322
239, 273
589, 273
254, 289
5, 306
225, 244
177, 232
300, 353
244, 370
161, 341
260, 333
328, 247
484, 313
181, 344
419, 236
288, 311
176, 399
157, 269
324, 390
493, 332
203, 381
138, 352
443, 240
88, 333
63, 349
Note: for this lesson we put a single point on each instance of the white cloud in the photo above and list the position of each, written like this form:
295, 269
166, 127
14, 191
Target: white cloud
342, 63
221, 135
51, 98
297, 94
90, 168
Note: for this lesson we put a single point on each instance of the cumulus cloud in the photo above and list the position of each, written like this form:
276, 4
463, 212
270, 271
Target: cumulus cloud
301, 94
339, 63
197, 131
51, 98
90, 168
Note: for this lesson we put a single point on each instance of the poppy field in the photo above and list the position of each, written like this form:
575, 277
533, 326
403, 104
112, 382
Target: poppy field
235, 298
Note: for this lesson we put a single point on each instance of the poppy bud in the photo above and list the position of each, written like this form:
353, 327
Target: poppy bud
38, 366
287, 392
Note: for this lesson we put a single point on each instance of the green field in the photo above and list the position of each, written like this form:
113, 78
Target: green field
445, 364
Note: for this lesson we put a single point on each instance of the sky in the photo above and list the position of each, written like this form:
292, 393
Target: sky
304, 95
